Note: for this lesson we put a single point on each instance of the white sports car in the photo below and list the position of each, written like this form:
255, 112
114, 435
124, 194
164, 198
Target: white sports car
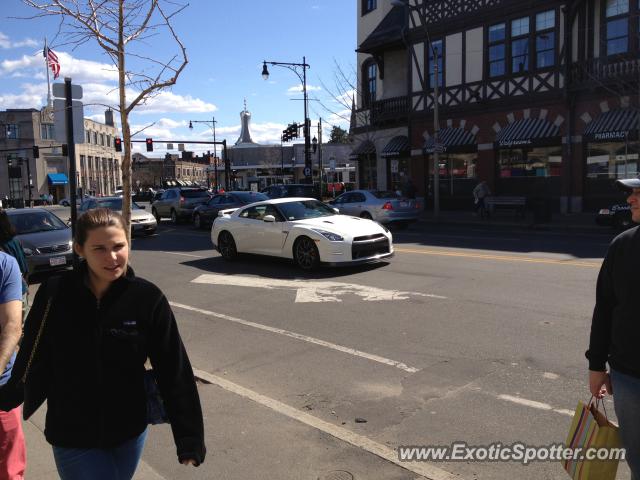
304, 229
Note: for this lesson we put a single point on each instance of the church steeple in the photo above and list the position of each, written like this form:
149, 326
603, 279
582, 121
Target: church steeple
245, 134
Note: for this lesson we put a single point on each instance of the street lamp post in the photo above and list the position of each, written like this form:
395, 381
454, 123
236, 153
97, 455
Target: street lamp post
212, 124
420, 10
295, 67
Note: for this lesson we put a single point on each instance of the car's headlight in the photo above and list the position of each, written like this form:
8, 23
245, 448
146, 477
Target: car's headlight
27, 251
333, 237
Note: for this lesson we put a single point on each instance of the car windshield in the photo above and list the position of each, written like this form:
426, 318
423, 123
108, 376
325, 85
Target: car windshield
250, 197
303, 209
33, 222
115, 204
385, 194
194, 193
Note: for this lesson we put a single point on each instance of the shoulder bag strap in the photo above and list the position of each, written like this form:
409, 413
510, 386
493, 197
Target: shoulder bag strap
51, 290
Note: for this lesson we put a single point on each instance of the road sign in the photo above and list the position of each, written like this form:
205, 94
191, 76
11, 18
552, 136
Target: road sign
307, 171
58, 91
60, 122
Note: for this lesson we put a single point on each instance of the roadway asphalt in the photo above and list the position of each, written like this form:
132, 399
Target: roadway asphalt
469, 334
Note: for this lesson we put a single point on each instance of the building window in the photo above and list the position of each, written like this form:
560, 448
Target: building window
102, 139
46, 131
520, 45
530, 162
108, 140
370, 82
368, 6
545, 39
88, 133
497, 34
12, 131
95, 138
617, 26
437, 47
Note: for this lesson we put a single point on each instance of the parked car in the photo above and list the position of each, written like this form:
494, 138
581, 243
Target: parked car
66, 201
617, 216
292, 190
157, 195
145, 196
205, 214
45, 238
142, 222
381, 206
304, 229
179, 203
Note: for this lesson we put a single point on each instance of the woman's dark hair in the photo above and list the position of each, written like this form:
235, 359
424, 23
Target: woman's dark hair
7, 231
96, 218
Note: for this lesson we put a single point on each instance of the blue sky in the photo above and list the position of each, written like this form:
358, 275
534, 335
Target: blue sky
226, 43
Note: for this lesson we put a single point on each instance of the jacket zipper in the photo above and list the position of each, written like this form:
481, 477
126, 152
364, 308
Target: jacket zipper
99, 369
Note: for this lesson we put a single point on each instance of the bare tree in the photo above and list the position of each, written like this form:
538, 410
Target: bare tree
123, 29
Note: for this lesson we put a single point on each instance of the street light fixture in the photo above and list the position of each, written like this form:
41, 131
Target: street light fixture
421, 11
295, 68
212, 124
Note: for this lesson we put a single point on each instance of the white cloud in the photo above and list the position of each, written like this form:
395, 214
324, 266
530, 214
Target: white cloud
298, 89
6, 43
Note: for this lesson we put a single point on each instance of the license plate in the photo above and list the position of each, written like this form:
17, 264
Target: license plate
404, 204
57, 261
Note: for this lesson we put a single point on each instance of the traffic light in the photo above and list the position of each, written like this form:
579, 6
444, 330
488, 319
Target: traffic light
36, 151
117, 142
149, 144
293, 130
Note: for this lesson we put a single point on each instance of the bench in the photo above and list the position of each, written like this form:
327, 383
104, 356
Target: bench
516, 203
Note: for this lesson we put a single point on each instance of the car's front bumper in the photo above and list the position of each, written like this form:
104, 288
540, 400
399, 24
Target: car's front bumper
147, 227
361, 261
355, 252
48, 262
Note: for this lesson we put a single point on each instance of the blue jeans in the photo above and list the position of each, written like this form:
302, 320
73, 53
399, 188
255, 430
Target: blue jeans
626, 400
117, 463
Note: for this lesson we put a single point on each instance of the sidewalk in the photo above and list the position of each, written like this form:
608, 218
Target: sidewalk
573, 222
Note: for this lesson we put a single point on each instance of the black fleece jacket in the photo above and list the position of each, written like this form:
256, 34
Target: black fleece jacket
93, 354
615, 327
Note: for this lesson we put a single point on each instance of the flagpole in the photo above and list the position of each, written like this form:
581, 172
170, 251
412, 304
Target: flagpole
46, 66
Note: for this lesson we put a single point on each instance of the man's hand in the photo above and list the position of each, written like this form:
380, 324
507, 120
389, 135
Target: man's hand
600, 384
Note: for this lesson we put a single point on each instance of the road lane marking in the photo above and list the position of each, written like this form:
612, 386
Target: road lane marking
506, 258
424, 469
304, 338
183, 254
534, 404
308, 291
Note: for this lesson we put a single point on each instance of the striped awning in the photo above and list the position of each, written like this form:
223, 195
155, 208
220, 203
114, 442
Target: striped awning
365, 148
397, 146
613, 125
527, 131
450, 138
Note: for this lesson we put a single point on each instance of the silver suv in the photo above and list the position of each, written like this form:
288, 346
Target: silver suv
178, 203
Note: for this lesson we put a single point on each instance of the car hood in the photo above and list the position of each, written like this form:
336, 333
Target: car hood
140, 215
342, 224
43, 239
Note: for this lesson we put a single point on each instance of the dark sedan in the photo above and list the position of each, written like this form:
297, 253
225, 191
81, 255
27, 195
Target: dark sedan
617, 216
45, 238
204, 215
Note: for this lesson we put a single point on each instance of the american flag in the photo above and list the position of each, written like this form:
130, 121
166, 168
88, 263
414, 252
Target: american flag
52, 60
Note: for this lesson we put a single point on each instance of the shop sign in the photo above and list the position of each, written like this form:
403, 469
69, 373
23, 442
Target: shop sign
610, 135
394, 166
514, 143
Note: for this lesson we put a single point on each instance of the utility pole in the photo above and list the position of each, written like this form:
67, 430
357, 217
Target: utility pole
320, 168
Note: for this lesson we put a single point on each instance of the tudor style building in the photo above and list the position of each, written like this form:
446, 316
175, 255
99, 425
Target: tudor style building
540, 99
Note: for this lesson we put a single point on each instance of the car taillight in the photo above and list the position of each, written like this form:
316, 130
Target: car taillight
387, 206
418, 206
181, 199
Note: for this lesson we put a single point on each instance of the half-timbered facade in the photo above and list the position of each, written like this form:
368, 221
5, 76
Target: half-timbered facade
540, 99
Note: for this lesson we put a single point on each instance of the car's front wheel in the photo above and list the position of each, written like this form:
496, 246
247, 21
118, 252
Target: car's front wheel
174, 217
197, 221
366, 215
305, 253
227, 246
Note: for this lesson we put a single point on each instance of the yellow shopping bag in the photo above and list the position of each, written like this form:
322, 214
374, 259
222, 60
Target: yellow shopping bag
591, 429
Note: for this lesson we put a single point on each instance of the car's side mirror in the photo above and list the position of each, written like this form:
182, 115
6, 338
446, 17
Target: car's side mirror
335, 210
269, 218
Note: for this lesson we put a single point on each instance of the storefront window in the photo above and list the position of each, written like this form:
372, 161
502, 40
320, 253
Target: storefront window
612, 160
530, 162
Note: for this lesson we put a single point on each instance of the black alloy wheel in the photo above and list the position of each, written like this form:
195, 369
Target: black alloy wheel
174, 217
227, 246
305, 254
366, 215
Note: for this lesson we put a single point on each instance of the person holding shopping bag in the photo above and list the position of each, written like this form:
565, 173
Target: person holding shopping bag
87, 338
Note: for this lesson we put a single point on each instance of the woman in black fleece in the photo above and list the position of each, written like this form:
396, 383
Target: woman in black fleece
102, 325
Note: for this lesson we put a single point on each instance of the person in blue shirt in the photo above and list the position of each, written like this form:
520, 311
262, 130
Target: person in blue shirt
11, 246
12, 449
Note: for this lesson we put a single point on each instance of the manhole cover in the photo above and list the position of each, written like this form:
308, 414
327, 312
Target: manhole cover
337, 475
